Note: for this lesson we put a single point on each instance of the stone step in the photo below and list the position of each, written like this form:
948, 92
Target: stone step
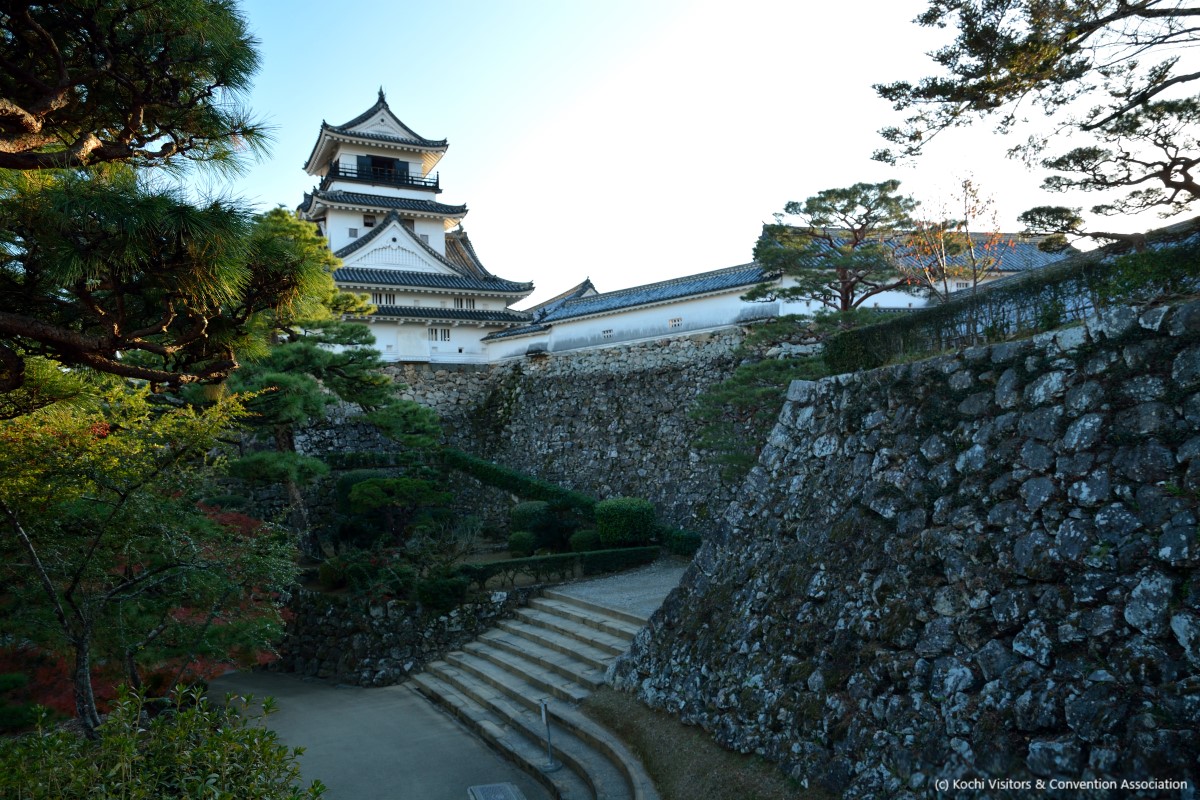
510, 742
594, 657
586, 671
607, 780
589, 618
616, 613
537, 672
510, 677
610, 643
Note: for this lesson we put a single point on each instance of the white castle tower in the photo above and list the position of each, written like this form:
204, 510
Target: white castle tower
376, 204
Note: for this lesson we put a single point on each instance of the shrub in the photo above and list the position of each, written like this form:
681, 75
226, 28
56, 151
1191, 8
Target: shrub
522, 543
584, 540
442, 592
518, 483
530, 515
625, 521
683, 543
190, 750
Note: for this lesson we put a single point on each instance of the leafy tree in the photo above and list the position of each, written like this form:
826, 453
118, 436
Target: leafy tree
958, 245
101, 272
107, 554
1109, 70
842, 252
86, 82
317, 362
191, 750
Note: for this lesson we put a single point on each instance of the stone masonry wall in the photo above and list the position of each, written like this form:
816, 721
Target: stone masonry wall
373, 643
978, 566
609, 422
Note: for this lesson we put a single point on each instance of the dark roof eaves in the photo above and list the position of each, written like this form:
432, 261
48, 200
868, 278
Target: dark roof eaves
375, 276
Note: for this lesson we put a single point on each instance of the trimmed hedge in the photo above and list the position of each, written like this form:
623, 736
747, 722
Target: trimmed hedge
585, 540
683, 543
518, 483
522, 543
1032, 302
560, 567
625, 521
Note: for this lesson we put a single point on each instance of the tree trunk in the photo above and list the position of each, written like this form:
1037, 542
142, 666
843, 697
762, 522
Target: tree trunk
85, 697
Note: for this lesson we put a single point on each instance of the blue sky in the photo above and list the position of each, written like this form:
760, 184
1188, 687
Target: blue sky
623, 141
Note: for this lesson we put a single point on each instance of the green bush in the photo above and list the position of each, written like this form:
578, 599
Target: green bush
442, 592
683, 543
15, 715
584, 540
522, 543
190, 750
518, 483
625, 521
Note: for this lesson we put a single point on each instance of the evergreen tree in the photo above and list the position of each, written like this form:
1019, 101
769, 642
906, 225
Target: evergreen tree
1110, 74
843, 251
86, 82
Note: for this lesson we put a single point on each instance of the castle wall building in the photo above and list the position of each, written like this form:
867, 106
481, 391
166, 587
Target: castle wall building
376, 203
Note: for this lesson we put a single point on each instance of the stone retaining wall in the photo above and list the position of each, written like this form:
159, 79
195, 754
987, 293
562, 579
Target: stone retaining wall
978, 566
365, 643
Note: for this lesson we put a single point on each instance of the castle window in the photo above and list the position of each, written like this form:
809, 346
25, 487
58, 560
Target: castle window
675, 322
962, 285
439, 334
409, 223
424, 237
464, 302
607, 333
354, 233
383, 298
368, 220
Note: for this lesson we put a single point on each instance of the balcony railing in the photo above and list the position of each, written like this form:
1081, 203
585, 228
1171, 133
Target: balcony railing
381, 175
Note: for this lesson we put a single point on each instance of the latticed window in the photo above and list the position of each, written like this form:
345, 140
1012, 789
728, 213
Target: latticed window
439, 334
464, 302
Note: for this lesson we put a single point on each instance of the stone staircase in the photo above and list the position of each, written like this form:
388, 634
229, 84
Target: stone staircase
556, 649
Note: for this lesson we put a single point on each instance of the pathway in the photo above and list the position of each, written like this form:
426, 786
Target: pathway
389, 743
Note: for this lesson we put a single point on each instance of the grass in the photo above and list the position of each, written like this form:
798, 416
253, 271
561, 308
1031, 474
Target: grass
683, 761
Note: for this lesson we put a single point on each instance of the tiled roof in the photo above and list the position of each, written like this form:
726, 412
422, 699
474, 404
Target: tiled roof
484, 282
1015, 252
675, 289
430, 280
381, 105
460, 314
460, 251
381, 201
554, 302
512, 333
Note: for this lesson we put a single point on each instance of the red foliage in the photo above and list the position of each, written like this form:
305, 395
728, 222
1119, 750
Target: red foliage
50, 679
100, 430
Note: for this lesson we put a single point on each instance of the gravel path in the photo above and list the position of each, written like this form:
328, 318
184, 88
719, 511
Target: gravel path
639, 591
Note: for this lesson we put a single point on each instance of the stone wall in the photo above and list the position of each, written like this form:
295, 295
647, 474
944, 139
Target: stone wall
608, 422
367, 643
978, 566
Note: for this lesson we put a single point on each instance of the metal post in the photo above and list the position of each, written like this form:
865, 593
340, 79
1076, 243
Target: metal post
551, 764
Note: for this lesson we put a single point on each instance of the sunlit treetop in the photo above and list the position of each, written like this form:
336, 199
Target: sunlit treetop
147, 82
1112, 74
